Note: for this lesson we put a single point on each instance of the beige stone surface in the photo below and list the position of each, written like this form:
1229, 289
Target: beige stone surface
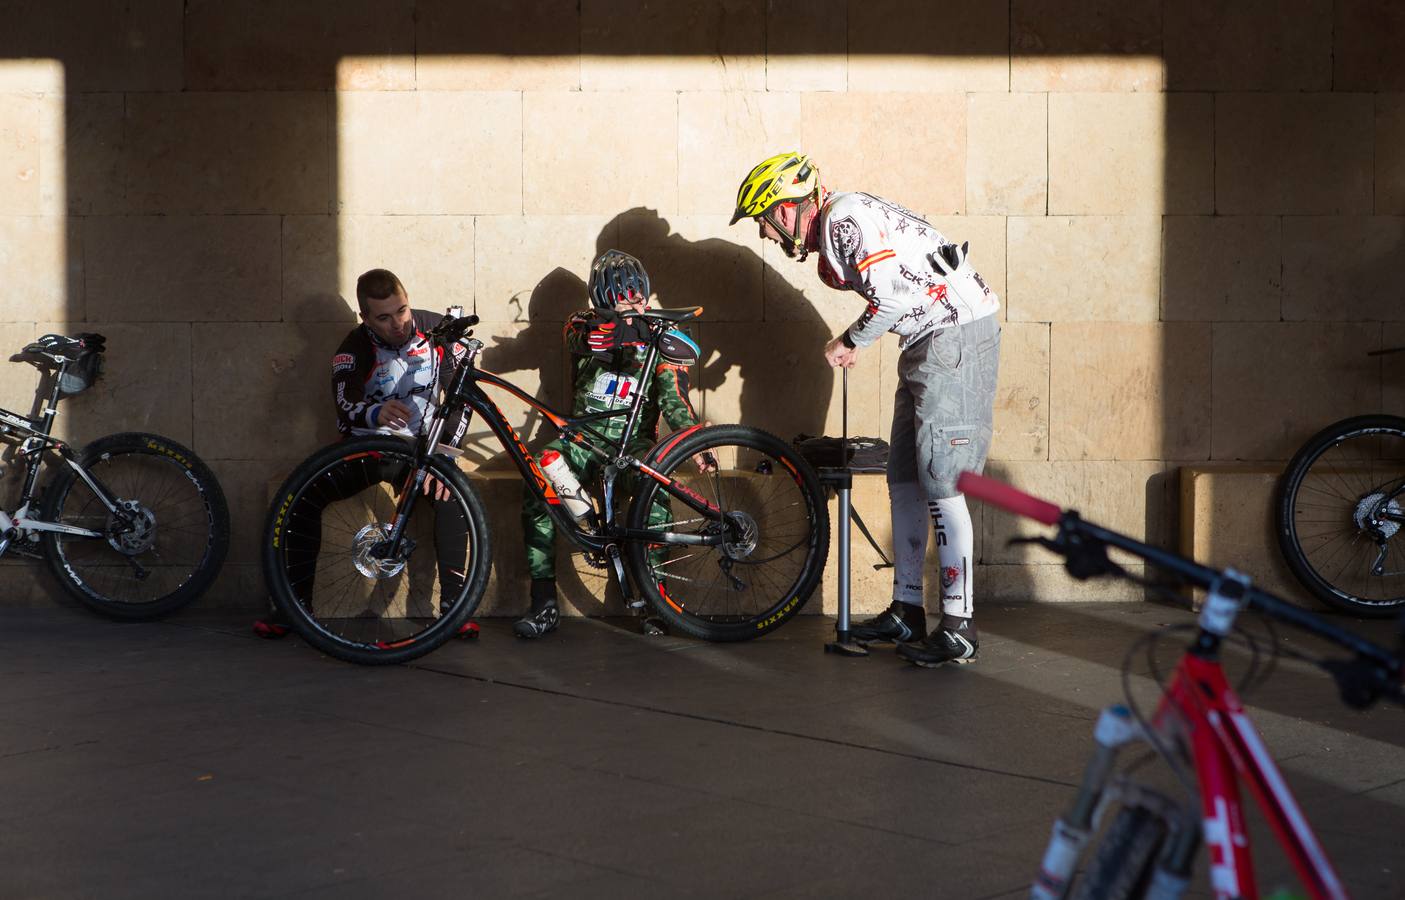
1293, 154
1390, 154
45, 255
146, 383
577, 135
1007, 149
1343, 268
923, 47
807, 47
323, 256
268, 45
1022, 400
1222, 269
1122, 390
182, 268
283, 371
452, 153
1137, 498
698, 261
249, 486
19, 154
722, 136
793, 291
1227, 519
497, 45
1075, 45
1366, 39
1251, 45
1393, 385
1278, 383
1051, 583
1084, 268
644, 45
87, 135
31, 76
102, 46
781, 383
839, 130
17, 387
534, 268
207, 153
1122, 154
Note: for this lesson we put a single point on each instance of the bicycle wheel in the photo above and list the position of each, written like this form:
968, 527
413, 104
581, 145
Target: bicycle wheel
180, 534
1126, 858
772, 503
329, 568
1339, 513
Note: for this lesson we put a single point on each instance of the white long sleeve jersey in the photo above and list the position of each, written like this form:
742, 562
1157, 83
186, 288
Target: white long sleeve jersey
882, 251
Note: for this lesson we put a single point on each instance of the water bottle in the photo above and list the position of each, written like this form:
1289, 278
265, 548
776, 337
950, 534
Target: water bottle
568, 488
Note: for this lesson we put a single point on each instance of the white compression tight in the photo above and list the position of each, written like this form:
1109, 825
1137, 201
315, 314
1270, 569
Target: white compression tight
950, 521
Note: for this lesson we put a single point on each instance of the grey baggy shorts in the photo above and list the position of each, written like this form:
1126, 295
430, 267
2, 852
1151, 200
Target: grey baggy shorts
943, 408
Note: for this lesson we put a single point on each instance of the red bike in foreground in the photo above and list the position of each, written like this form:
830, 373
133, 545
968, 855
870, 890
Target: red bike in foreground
1149, 849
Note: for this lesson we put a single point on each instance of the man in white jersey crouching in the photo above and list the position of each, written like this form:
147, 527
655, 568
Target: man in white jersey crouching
920, 287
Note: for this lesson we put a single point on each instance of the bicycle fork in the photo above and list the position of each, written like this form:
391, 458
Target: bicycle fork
1115, 729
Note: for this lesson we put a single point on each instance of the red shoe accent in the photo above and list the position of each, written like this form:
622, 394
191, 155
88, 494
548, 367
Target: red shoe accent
270, 630
468, 631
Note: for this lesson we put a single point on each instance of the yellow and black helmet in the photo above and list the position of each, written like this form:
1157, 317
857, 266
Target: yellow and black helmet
786, 176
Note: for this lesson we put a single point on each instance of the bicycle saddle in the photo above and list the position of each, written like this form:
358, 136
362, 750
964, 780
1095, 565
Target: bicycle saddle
61, 349
671, 315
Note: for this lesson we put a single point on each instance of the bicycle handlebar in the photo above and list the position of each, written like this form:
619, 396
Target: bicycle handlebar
1375, 670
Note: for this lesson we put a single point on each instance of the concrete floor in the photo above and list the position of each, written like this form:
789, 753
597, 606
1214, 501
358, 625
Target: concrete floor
189, 759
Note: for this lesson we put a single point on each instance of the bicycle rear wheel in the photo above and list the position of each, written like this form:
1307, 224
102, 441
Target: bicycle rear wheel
774, 510
1339, 511
328, 563
166, 547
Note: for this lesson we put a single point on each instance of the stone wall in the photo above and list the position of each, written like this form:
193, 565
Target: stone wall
1192, 213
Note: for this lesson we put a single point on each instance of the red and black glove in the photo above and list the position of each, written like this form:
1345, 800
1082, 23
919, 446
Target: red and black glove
611, 331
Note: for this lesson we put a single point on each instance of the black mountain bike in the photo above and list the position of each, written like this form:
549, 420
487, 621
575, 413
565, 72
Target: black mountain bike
1339, 511
345, 547
134, 525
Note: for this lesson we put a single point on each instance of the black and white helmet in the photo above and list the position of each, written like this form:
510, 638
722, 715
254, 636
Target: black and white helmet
614, 276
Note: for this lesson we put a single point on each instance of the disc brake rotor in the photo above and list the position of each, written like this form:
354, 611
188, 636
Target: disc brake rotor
133, 531
366, 553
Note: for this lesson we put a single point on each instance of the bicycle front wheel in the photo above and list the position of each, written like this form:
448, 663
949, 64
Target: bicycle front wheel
1124, 863
164, 546
775, 520
337, 575
1341, 505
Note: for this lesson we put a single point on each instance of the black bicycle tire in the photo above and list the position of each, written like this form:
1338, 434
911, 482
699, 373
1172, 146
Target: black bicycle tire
217, 510
1285, 525
1125, 858
776, 615
280, 589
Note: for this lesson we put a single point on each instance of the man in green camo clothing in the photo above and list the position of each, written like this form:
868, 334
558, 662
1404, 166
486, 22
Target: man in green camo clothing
611, 348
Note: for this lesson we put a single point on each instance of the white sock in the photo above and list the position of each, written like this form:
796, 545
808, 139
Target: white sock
951, 523
910, 524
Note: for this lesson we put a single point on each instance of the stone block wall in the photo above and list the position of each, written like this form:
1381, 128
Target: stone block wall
1192, 212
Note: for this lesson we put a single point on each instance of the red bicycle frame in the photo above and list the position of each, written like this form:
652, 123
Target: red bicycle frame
1227, 749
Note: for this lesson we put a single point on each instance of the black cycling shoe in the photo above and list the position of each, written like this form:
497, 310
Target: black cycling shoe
951, 642
899, 622
272, 626
538, 624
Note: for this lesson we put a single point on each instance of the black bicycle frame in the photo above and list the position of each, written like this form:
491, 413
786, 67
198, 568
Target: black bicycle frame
465, 394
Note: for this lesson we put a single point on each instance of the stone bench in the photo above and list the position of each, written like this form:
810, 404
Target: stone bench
1227, 519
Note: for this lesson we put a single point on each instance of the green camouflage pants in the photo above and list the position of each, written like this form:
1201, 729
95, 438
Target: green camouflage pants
538, 529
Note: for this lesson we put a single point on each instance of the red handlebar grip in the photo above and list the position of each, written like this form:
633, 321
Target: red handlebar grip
1002, 495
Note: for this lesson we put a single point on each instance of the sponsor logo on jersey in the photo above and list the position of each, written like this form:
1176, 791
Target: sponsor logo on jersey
343, 362
613, 389
950, 574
